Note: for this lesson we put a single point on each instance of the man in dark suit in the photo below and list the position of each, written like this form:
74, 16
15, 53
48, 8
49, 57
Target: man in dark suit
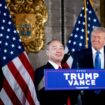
55, 53
86, 59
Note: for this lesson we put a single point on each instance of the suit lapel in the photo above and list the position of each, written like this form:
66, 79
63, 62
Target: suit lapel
49, 66
91, 58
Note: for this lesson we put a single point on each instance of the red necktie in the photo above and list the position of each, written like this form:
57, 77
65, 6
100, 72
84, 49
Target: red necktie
60, 67
68, 101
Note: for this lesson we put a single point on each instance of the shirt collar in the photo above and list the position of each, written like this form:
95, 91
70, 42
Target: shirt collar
94, 50
53, 64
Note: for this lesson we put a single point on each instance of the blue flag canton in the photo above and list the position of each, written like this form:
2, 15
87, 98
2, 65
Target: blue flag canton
87, 21
10, 43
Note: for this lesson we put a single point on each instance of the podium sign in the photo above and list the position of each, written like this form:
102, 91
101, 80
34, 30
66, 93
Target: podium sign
67, 79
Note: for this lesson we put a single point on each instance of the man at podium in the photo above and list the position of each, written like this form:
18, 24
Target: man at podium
93, 57
55, 53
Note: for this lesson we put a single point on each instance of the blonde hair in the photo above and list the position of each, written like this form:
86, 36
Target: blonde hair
98, 29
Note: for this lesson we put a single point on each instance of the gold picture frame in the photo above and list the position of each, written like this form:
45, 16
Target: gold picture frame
30, 17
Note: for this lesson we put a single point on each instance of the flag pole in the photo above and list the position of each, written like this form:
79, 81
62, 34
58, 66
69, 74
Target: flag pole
85, 12
86, 34
91, 2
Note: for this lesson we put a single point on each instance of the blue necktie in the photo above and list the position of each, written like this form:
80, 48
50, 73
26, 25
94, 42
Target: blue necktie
97, 60
97, 66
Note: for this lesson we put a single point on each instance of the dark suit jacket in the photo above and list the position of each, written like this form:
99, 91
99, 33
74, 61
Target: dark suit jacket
48, 97
83, 59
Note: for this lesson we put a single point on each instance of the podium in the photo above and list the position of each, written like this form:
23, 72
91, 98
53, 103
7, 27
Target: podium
74, 79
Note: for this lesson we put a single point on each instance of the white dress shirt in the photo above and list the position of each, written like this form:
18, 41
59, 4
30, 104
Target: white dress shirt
54, 64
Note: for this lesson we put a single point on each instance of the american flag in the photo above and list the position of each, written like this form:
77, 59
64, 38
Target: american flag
81, 34
18, 87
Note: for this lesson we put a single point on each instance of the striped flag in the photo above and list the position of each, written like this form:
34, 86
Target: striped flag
18, 87
81, 34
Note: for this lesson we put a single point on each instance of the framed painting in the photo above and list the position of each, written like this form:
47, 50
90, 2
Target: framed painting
29, 17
